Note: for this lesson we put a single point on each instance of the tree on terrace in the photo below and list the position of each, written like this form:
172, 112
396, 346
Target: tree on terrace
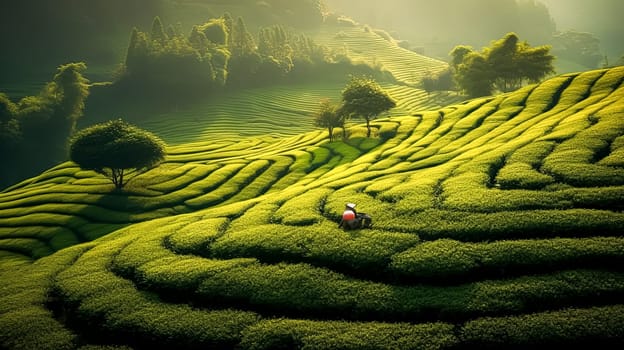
329, 116
505, 65
364, 97
112, 147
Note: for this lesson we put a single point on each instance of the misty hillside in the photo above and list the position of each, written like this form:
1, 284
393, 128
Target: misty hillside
435, 27
497, 223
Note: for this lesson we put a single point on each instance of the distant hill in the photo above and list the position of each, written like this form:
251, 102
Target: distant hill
497, 223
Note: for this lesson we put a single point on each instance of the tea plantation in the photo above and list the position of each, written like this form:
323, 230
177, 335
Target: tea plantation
497, 224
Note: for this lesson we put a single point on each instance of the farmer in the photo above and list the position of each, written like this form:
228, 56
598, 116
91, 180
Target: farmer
351, 219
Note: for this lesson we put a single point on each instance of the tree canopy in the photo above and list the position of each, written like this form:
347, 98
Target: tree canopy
112, 147
364, 97
329, 116
34, 131
505, 65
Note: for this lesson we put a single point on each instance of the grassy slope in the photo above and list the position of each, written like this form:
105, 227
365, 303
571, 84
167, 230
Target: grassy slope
497, 222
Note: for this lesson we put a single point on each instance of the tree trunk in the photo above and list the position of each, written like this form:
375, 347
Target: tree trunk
117, 177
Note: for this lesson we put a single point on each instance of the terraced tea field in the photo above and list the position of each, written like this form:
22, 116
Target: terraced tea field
363, 44
278, 111
497, 223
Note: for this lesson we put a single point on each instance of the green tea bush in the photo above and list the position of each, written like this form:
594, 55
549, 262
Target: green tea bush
30, 247
34, 328
442, 259
262, 181
592, 326
195, 237
522, 175
607, 198
324, 245
25, 321
149, 246
347, 152
320, 156
304, 209
96, 297
474, 227
386, 131
233, 179
181, 177
573, 160
422, 124
532, 153
616, 155
608, 82
303, 290
156, 324
418, 191
257, 214
175, 275
382, 184
283, 333
545, 95
580, 88
521, 168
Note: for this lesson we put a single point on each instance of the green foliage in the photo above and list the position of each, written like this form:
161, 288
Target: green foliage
594, 325
216, 31
114, 146
442, 81
220, 52
282, 333
363, 97
443, 259
33, 132
329, 116
505, 65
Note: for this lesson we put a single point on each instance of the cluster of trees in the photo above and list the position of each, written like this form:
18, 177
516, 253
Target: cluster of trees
34, 131
362, 97
221, 52
91, 31
503, 66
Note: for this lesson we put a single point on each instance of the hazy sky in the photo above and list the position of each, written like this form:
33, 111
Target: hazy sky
585, 15
464, 21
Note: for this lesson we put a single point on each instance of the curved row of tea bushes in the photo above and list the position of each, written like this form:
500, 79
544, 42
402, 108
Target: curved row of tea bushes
303, 289
445, 259
106, 307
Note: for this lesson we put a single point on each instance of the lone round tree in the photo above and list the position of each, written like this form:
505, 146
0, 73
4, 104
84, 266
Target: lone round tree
364, 97
110, 148
329, 116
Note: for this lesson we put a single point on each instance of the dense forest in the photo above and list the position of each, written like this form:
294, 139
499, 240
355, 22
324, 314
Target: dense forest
46, 34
